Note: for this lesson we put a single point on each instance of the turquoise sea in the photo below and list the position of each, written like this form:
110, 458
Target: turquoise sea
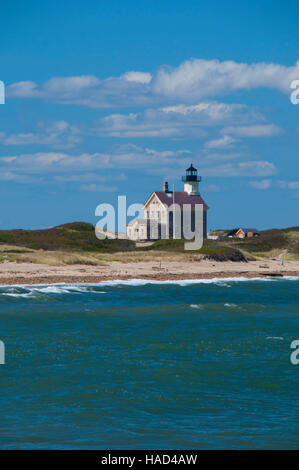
161, 365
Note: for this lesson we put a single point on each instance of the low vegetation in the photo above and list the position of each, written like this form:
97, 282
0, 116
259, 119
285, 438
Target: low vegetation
78, 236
76, 243
210, 250
270, 243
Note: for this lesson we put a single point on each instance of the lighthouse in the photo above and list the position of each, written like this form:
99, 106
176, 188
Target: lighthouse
191, 180
159, 215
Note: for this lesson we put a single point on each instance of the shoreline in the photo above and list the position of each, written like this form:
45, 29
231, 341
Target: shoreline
12, 273
52, 280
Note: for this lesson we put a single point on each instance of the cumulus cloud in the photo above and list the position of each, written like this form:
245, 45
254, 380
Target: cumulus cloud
268, 183
192, 80
262, 184
244, 169
17, 177
138, 77
228, 134
126, 156
87, 90
23, 89
289, 184
58, 134
224, 141
200, 78
258, 130
91, 168
176, 121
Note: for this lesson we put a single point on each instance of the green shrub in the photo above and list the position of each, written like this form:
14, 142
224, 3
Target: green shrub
74, 236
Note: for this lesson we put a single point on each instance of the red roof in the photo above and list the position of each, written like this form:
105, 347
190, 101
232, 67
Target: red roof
180, 198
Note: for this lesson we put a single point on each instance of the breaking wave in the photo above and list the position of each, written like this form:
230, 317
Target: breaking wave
45, 290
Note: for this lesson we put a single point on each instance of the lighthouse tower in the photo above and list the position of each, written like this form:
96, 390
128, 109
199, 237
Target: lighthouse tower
191, 181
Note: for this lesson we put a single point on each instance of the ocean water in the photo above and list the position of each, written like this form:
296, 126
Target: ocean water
161, 365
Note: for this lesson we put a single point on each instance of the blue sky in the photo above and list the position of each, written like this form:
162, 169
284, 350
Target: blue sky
111, 98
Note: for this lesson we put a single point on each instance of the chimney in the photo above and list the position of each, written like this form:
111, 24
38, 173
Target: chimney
165, 187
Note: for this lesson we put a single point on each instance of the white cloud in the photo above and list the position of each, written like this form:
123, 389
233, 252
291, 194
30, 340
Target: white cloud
289, 184
262, 184
244, 169
225, 141
58, 134
23, 90
258, 130
199, 78
17, 177
176, 121
69, 167
86, 90
192, 80
138, 77
92, 168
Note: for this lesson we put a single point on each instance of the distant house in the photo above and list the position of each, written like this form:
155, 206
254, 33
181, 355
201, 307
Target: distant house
213, 237
242, 232
157, 218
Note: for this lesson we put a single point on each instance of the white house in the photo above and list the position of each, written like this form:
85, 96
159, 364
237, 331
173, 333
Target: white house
158, 216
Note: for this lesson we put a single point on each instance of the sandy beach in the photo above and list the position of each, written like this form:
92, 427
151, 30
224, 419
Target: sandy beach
29, 273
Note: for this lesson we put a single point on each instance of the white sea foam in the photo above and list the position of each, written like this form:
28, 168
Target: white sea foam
32, 291
11, 294
186, 282
275, 337
196, 306
51, 289
61, 288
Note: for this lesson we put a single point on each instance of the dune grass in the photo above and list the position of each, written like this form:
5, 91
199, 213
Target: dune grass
76, 243
78, 236
270, 243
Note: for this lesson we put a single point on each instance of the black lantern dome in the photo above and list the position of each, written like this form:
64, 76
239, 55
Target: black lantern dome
191, 174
